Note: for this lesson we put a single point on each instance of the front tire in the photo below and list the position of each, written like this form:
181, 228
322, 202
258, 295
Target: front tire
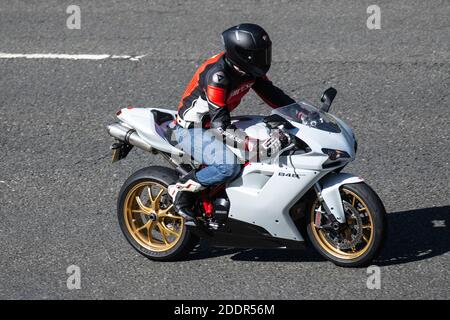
147, 219
361, 240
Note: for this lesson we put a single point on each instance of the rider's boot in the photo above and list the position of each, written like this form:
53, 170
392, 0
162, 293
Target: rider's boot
184, 194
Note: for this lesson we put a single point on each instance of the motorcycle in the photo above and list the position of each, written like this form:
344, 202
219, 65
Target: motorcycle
302, 198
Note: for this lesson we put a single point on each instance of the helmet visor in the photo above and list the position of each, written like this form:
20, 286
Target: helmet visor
259, 59
262, 58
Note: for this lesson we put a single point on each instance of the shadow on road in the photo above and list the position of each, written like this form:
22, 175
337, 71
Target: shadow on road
413, 235
416, 235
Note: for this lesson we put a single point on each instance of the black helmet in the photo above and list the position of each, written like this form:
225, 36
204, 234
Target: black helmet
248, 47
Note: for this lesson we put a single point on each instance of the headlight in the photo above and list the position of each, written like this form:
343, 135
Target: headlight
335, 154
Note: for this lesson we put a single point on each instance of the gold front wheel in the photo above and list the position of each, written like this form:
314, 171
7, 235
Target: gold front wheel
358, 240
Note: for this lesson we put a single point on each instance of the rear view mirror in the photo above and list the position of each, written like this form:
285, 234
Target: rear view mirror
327, 98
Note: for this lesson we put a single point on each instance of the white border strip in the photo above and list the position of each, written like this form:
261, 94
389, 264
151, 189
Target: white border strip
64, 56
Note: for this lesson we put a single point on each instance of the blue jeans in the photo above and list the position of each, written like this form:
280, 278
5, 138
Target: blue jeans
205, 148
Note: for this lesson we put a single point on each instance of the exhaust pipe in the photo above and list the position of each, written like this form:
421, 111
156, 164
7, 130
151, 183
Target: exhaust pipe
128, 135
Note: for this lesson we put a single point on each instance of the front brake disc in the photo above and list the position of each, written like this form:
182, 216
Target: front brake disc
354, 231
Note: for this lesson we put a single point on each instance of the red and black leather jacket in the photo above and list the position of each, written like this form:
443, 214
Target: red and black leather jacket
216, 89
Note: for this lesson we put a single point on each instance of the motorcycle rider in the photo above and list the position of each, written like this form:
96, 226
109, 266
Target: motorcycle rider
203, 125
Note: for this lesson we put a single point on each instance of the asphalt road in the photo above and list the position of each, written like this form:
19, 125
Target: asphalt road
58, 189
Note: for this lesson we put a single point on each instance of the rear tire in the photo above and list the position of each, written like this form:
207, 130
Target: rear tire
365, 212
147, 219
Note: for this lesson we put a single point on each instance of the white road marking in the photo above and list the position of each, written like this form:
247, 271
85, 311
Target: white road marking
65, 56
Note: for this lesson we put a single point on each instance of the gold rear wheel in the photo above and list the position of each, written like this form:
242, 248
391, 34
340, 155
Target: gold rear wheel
353, 240
149, 217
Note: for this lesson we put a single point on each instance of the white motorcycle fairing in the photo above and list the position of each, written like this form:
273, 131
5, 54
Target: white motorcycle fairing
264, 194
265, 191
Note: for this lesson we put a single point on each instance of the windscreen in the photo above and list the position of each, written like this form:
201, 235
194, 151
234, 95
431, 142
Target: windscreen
308, 115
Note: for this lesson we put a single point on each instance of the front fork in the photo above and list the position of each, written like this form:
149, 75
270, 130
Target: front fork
329, 195
333, 223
